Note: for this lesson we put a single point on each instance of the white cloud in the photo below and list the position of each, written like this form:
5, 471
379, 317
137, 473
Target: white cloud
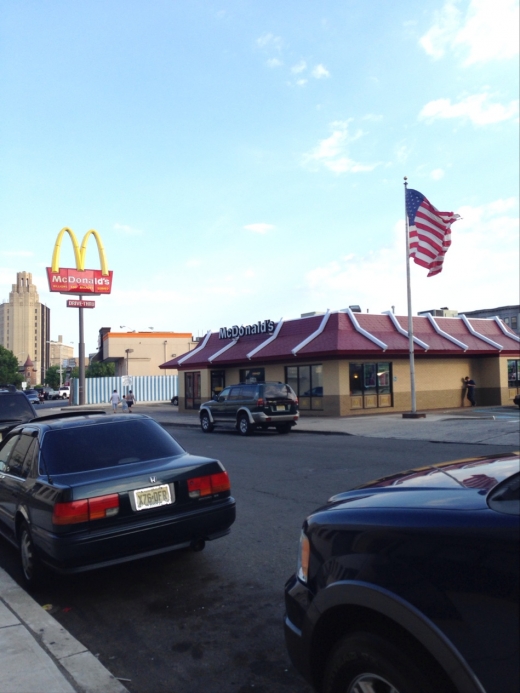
259, 228
301, 82
270, 41
437, 173
17, 253
274, 62
488, 234
299, 67
489, 31
320, 71
332, 152
127, 230
476, 108
194, 262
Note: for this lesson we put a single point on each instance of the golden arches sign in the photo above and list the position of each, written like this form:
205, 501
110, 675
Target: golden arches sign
79, 253
80, 280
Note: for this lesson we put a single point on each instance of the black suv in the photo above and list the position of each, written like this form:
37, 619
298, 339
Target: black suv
15, 409
252, 406
409, 584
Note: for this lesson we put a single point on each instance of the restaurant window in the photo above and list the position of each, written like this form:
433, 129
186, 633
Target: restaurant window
192, 398
370, 385
252, 375
307, 382
513, 373
218, 382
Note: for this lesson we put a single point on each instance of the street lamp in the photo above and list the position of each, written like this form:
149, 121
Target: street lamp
128, 351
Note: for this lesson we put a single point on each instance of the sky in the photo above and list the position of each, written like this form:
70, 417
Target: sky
244, 160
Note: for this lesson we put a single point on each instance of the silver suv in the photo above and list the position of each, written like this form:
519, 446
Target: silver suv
252, 406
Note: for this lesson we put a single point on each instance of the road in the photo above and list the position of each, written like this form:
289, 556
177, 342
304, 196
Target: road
212, 621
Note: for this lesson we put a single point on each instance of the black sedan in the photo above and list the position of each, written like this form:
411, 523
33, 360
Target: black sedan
88, 490
410, 584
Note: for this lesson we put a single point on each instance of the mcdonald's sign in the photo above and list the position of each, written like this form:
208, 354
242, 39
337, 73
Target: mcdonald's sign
64, 280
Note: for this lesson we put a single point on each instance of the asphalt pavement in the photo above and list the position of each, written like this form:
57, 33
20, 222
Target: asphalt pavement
37, 654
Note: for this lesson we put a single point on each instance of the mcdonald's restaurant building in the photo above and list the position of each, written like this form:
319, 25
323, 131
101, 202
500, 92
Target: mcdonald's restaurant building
343, 363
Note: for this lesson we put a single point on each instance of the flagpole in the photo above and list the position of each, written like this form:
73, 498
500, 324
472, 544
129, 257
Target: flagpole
409, 298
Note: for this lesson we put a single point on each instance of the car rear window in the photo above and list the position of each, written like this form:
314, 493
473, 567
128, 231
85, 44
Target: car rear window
14, 407
83, 448
278, 391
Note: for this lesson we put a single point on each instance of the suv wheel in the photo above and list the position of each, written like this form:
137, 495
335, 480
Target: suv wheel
244, 427
368, 662
284, 428
205, 423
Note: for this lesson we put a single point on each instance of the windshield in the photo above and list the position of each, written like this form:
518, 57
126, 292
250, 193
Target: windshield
83, 448
15, 407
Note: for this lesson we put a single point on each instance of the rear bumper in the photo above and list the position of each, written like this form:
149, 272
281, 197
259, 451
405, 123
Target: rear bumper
88, 550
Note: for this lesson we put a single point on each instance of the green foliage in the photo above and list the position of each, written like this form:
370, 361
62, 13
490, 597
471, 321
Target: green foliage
52, 377
97, 369
9, 374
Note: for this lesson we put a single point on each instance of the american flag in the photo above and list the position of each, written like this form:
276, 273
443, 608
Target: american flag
430, 231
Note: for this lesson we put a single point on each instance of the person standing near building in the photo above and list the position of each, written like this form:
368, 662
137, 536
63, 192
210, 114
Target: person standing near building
470, 390
115, 399
130, 400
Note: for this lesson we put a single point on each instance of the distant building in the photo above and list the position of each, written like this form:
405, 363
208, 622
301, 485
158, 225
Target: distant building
440, 313
25, 328
141, 353
509, 314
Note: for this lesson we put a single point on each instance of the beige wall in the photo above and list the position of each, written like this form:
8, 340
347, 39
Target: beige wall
439, 383
149, 351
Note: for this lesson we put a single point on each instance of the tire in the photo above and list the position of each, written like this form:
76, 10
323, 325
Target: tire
243, 425
175, 400
366, 661
284, 428
32, 569
205, 423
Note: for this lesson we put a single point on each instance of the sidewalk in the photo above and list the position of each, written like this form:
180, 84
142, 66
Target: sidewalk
486, 425
37, 655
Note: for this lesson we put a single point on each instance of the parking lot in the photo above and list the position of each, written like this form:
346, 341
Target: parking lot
213, 620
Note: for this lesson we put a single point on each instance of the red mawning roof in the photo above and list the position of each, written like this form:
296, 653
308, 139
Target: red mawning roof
340, 337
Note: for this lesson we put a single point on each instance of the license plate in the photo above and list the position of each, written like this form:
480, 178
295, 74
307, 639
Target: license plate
280, 407
153, 497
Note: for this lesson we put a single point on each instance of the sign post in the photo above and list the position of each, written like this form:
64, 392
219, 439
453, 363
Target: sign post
79, 281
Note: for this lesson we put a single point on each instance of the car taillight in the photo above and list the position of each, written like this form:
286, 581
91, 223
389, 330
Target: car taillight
201, 486
260, 402
87, 509
103, 506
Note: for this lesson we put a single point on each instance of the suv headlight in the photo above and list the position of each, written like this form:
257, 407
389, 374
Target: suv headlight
303, 557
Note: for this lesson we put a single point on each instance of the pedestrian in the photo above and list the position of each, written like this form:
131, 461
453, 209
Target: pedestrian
130, 400
115, 399
470, 390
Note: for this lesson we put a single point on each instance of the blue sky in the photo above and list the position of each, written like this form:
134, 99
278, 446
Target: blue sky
244, 160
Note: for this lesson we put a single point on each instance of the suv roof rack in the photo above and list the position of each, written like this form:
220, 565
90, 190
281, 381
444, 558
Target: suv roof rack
67, 414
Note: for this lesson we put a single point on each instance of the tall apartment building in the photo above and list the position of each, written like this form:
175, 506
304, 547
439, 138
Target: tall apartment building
25, 328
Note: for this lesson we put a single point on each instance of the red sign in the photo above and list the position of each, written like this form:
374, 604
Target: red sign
80, 304
73, 281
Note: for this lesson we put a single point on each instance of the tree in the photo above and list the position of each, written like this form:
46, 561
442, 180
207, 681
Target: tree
52, 377
96, 369
9, 374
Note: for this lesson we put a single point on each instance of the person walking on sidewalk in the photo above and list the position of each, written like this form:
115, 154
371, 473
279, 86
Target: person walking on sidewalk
115, 399
470, 390
130, 400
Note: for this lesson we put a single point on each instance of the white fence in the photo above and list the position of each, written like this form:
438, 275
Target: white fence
146, 388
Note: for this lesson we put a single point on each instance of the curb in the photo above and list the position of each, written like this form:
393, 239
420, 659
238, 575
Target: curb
74, 662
